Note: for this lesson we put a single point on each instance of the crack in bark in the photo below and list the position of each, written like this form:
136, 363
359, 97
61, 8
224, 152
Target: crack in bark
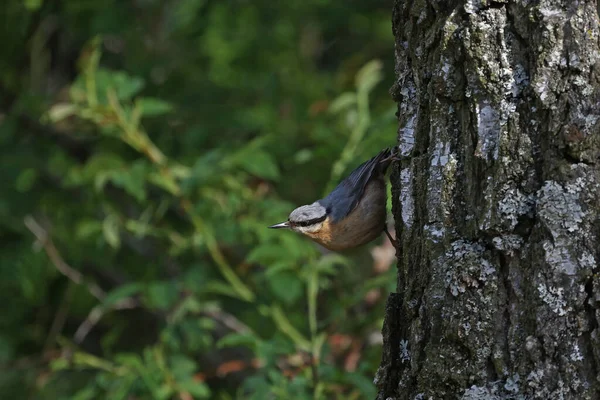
594, 326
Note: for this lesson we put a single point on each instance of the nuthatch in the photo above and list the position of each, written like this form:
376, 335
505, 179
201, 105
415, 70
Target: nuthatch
353, 214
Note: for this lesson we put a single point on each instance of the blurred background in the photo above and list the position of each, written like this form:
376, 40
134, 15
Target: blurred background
145, 146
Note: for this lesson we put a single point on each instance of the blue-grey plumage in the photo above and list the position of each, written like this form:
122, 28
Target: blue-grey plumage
353, 214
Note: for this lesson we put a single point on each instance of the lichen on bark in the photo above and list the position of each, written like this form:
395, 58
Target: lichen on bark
496, 202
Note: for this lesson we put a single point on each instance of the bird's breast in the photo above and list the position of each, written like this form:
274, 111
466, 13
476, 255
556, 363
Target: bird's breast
362, 225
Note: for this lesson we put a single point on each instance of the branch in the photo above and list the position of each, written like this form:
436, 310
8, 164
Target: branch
227, 320
45, 242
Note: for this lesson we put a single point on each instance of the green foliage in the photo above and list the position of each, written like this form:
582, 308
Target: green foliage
145, 149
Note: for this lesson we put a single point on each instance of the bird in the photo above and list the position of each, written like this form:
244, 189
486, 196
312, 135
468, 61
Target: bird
353, 214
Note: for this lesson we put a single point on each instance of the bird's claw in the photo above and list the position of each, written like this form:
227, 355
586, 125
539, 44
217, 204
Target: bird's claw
392, 240
394, 156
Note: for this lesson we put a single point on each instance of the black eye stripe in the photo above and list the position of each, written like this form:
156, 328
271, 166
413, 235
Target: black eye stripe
309, 222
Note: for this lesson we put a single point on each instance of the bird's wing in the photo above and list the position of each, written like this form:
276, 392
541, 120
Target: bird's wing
349, 192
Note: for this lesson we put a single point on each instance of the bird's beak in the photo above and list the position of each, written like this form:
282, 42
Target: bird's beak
285, 224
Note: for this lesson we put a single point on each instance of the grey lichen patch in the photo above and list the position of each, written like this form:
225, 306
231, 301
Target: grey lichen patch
406, 134
548, 82
508, 244
440, 155
406, 197
404, 352
486, 37
406, 128
480, 393
558, 69
568, 211
442, 179
537, 383
559, 258
513, 205
435, 232
406, 94
576, 353
449, 178
466, 275
508, 389
554, 298
587, 261
488, 130
467, 268
559, 208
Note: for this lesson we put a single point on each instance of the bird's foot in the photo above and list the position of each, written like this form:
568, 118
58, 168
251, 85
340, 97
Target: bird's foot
394, 155
392, 240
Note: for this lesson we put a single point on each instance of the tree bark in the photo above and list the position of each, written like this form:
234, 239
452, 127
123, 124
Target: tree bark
497, 202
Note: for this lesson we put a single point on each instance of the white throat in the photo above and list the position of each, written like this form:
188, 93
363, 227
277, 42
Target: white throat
309, 229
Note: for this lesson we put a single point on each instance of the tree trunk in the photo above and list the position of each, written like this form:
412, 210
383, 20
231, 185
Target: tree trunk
497, 202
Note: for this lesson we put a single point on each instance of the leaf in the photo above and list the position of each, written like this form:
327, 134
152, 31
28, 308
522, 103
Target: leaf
327, 263
365, 385
303, 156
60, 111
369, 76
26, 180
195, 277
87, 393
204, 171
87, 227
261, 164
120, 293
253, 159
185, 13
59, 364
110, 230
194, 335
122, 390
258, 385
238, 339
132, 180
342, 102
220, 288
196, 388
164, 182
103, 80
182, 367
266, 254
286, 286
98, 169
33, 5
151, 106
125, 85
163, 392
6, 348
286, 327
131, 360
161, 295
277, 267
189, 305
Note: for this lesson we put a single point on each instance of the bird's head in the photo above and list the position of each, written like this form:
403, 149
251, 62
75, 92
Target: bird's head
307, 220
